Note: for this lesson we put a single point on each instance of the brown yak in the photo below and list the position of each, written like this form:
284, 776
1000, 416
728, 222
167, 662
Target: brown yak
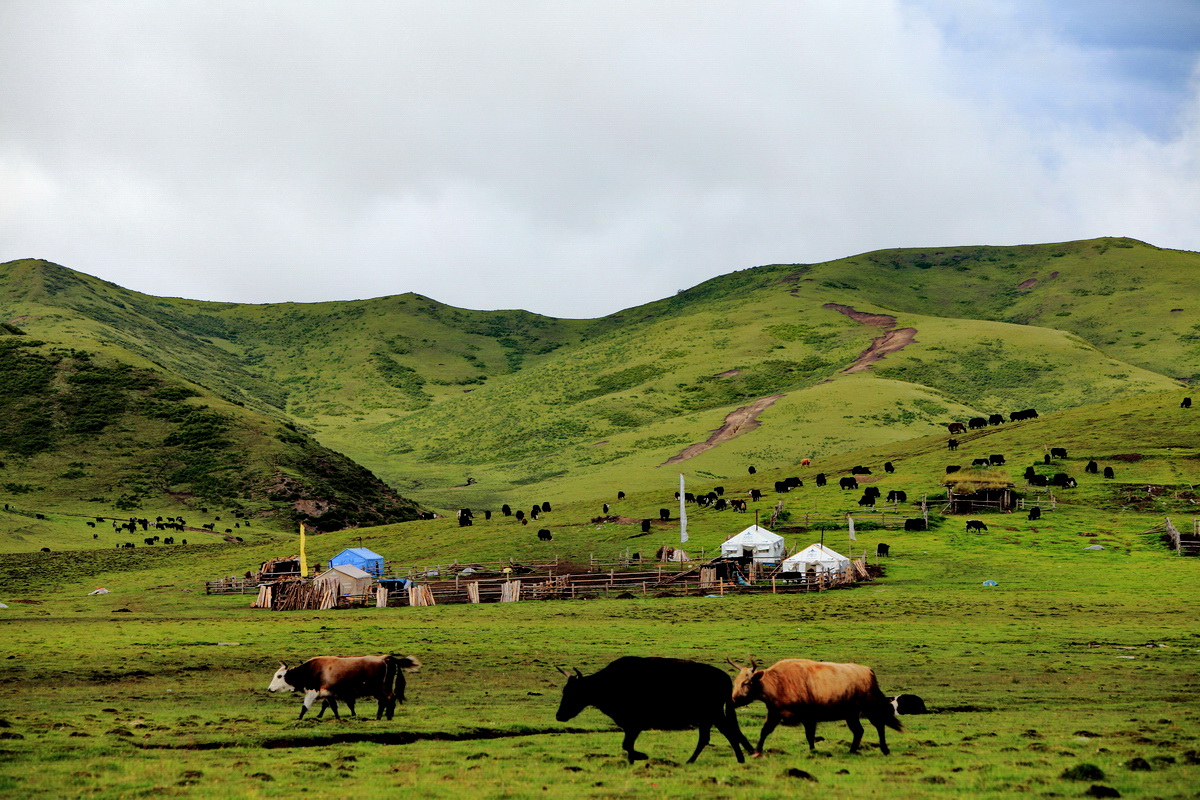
797, 691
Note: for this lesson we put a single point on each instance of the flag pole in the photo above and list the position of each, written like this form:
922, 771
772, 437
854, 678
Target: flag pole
303, 555
683, 536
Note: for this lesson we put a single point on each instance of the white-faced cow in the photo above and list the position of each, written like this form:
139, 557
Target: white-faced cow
332, 678
909, 704
798, 691
657, 694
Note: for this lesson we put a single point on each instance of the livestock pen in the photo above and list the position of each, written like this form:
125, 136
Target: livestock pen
509, 581
696, 580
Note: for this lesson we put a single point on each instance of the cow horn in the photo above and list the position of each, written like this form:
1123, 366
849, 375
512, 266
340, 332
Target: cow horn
731, 663
578, 674
753, 663
563, 671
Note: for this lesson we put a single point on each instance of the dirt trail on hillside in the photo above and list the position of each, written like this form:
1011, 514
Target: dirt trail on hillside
880, 346
879, 320
743, 420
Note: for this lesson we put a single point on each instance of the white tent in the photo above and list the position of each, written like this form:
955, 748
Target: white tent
755, 542
350, 579
815, 558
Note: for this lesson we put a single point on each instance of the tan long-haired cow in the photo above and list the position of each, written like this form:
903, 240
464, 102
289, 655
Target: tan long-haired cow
798, 691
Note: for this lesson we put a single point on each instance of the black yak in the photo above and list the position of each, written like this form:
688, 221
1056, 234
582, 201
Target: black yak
641, 694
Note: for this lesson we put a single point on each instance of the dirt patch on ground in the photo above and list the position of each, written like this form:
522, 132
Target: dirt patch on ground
618, 519
880, 346
1024, 286
743, 420
880, 320
729, 373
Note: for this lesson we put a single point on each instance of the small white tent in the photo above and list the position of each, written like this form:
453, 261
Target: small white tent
350, 579
815, 558
757, 543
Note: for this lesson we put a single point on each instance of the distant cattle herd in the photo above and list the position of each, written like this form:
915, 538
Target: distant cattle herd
715, 498
132, 525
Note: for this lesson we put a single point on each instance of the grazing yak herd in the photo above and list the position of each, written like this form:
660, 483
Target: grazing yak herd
649, 693
716, 500
131, 525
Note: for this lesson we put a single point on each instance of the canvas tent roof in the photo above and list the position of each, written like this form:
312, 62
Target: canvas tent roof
350, 579
757, 541
815, 556
360, 557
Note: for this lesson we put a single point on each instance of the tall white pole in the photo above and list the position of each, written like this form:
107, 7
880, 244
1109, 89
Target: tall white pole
683, 537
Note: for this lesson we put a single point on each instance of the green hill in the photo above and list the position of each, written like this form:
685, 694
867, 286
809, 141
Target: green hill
85, 438
1043, 660
458, 407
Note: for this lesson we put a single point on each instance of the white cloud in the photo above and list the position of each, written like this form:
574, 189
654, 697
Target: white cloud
572, 160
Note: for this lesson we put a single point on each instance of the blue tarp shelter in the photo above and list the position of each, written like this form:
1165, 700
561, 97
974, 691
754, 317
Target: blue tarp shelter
361, 557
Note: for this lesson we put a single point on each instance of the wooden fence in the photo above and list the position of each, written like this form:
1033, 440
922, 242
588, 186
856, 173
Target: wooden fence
509, 581
692, 582
1185, 544
232, 586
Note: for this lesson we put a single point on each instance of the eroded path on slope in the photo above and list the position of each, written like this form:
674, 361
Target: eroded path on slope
890, 342
743, 420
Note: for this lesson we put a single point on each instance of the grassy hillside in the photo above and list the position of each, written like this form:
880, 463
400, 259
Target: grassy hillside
460, 407
85, 438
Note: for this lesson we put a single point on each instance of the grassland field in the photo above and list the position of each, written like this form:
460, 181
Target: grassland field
1074, 658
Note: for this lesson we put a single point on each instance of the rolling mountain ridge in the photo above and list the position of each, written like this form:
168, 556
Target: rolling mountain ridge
459, 407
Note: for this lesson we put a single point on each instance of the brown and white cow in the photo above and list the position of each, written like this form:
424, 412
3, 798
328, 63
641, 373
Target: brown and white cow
798, 691
333, 678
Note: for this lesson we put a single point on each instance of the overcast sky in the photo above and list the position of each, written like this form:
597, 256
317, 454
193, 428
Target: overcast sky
575, 158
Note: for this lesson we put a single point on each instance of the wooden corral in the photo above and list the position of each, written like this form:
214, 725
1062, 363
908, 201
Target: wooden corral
697, 580
662, 580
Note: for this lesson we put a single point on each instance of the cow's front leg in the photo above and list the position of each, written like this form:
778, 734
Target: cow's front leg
773, 719
631, 736
309, 697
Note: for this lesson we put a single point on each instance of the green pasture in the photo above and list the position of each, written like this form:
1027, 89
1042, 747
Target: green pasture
1074, 658
1067, 661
